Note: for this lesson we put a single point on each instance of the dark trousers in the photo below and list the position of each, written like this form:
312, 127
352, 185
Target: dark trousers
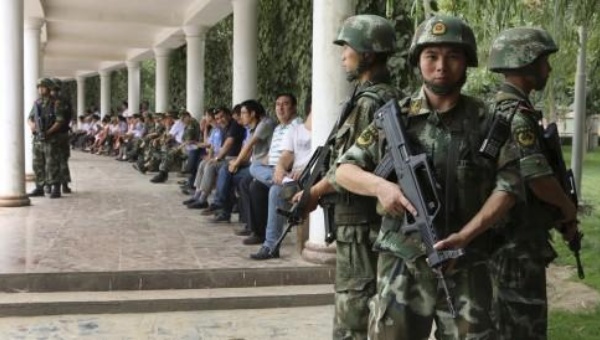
253, 204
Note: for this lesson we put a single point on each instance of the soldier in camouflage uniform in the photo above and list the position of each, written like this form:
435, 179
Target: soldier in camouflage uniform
191, 136
449, 128
45, 121
367, 41
519, 266
63, 136
150, 149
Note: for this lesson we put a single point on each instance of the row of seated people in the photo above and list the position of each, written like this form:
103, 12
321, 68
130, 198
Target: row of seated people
249, 161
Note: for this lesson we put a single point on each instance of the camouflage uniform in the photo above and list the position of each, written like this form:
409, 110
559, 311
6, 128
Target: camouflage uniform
355, 217
47, 152
63, 137
409, 298
172, 149
519, 266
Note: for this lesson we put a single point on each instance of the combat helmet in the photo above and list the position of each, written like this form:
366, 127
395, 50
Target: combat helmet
367, 33
515, 48
443, 29
45, 82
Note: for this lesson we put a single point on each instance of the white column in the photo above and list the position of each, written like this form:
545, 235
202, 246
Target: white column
162, 79
12, 157
133, 81
195, 38
245, 49
80, 96
105, 93
329, 89
32, 72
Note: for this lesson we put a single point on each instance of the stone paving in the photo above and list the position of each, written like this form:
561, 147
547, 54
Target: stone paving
300, 323
116, 220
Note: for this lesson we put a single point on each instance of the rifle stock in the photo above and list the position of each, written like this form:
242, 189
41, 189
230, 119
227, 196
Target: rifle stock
417, 182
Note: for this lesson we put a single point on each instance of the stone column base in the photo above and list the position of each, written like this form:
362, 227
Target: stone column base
319, 253
14, 201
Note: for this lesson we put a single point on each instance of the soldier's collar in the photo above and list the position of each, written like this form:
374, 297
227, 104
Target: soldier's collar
419, 105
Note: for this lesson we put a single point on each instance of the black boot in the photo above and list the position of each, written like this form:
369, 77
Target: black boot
161, 177
65, 188
37, 192
55, 191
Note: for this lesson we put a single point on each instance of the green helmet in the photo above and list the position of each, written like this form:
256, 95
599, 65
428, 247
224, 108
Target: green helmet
45, 82
57, 84
515, 48
367, 33
443, 29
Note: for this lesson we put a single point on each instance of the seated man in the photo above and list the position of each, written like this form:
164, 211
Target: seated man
256, 148
233, 137
187, 135
295, 155
255, 195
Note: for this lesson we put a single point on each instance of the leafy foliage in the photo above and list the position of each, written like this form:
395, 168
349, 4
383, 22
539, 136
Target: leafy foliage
218, 62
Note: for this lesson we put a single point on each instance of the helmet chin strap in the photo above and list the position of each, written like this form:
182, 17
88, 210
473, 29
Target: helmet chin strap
446, 89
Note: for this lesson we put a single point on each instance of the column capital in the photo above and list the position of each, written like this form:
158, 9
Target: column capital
195, 30
132, 64
80, 79
162, 52
104, 73
33, 23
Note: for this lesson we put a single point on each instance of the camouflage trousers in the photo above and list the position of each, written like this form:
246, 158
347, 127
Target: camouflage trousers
409, 299
65, 172
47, 156
521, 305
168, 157
355, 280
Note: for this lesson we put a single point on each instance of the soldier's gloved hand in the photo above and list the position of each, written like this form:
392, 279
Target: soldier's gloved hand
569, 230
393, 200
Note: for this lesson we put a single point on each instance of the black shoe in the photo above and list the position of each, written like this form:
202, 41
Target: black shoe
265, 253
139, 168
220, 218
211, 210
189, 201
66, 189
161, 177
55, 191
242, 232
252, 240
197, 205
37, 192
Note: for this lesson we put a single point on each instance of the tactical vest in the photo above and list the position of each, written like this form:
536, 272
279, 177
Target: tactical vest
47, 113
530, 219
465, 179
350, 208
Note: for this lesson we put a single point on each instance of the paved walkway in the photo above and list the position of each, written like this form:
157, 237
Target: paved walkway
300, 323
116, 220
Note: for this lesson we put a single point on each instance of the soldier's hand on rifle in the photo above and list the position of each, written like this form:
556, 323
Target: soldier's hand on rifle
453, 241
393, 200
313, 200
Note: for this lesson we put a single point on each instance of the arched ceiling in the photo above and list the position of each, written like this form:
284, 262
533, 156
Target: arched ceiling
82, 37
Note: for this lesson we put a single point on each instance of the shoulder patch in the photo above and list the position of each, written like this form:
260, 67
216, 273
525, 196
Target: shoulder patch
367, 137
525, 136
415, 107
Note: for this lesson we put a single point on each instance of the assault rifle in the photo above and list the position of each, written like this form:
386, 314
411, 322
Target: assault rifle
311, 174
416, 179
40, 128
567, 182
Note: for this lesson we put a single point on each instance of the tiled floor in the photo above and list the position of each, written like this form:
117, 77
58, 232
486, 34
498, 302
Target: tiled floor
116, 220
